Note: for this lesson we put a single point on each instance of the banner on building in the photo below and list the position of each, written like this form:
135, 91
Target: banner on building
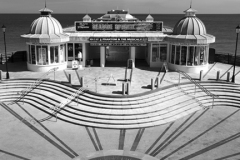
118, 26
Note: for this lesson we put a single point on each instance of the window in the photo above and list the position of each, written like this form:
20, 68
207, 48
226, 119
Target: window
33, 60
42, 58
29, 54
155, 54
163, 52
54, 56
191, 51
183, 55
202, 58
70, 51
78, 50
177, 55
62, 53
173, 54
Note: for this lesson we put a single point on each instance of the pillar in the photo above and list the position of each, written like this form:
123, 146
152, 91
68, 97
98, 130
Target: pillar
84, 54
132, 55
48, 55
102, 56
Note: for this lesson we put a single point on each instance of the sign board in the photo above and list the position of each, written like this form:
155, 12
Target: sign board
118, 26
118, 39
118, 44
74, 64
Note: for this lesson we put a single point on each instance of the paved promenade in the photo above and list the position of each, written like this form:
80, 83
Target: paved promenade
203, 133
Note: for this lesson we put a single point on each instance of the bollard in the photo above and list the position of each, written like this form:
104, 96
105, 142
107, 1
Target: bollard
123, 88
82, 81
0, 75
158, 82
228, 77
70, 79
152, 84
128, 88
218, 75
201, 75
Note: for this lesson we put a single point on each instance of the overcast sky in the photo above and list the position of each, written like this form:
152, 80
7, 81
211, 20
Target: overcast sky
134, 6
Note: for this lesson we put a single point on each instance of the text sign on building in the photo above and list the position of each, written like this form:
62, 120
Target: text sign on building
118, 26
118, 44
118, 39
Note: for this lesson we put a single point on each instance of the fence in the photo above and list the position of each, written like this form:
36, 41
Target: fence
227, 58
14, 56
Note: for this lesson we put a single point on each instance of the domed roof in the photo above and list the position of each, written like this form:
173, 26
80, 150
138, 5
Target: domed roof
46, 25
46, 29
149, 17
190, 30
189, 25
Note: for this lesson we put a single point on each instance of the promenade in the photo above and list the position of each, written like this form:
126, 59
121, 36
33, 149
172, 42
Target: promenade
169, 122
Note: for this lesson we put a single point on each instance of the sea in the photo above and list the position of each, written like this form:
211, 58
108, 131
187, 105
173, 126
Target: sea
222, 26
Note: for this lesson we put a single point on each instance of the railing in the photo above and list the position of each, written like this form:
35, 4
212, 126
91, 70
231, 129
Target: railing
63, 104
24, 92
13, 56
197, 85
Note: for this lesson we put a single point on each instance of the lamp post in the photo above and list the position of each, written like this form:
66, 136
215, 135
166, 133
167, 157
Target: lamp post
237, 31
4, 30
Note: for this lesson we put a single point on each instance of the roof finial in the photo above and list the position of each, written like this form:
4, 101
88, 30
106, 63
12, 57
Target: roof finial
45, 3
191, 4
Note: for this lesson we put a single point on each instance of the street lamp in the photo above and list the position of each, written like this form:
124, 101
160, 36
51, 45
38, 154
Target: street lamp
4, 29
237, 31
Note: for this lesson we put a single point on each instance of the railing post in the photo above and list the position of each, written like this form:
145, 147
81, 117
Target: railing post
218, 75
228, 77
82, 81
152, 83
201, 75
0, 75
128, 88
123, 88
70, 78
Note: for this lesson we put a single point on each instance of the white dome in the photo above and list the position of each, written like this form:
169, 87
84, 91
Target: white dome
46, 25
46, 29
189, 25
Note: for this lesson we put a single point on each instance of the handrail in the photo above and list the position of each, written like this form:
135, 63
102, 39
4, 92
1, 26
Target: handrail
24, 92
58, 107
197, 84
209, 69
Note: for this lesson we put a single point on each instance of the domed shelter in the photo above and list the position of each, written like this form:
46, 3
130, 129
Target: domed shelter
189, 44
46, 43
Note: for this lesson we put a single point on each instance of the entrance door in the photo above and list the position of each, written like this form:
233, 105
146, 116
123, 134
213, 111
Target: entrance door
117, 54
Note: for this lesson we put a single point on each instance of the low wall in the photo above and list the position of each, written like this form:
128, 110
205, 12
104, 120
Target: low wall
227, 58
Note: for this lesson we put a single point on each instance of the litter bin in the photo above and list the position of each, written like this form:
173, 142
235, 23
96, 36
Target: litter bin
91, 62
88, 63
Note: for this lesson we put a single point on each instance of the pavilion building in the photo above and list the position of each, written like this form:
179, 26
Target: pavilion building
117, 37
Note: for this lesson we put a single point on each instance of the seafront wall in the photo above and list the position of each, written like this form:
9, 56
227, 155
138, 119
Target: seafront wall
227, 58
13, 56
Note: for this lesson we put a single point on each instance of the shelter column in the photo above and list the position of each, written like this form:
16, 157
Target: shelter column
132, 55
84, 54
102, 56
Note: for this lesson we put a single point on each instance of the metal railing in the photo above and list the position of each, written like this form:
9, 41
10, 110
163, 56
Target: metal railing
24, 92
197, 85
58, 107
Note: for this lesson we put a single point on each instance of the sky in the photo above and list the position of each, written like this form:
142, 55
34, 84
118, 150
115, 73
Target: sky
134, 6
